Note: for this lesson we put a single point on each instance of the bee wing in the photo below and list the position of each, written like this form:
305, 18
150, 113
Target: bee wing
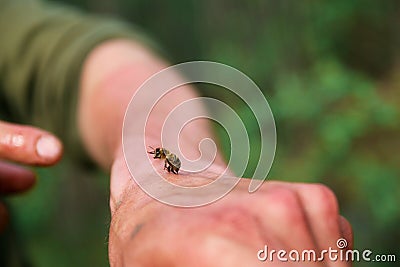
174, 161
178, 163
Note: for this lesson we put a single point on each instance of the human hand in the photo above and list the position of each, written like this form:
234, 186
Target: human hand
230, 232
25, 145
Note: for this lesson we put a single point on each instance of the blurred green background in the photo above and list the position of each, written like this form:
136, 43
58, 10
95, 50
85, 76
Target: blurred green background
331, 73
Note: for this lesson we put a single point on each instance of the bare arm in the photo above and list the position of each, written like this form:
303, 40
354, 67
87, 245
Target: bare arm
112, 74
227, 233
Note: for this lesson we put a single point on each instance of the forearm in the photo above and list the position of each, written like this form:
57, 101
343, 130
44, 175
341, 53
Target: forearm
111, 75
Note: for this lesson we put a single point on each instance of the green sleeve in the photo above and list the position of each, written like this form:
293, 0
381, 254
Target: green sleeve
42, 49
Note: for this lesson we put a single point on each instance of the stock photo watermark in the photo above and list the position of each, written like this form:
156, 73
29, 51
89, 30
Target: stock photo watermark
138, 117
339, 253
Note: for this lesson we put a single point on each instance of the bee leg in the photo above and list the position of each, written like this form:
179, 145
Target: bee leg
169, 169
165, 165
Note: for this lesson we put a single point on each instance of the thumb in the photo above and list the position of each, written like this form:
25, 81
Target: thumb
28, 145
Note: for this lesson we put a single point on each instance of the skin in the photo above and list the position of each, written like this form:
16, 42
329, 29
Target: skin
14, 178
143, 231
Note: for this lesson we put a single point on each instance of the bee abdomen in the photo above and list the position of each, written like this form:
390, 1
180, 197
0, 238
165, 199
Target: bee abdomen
174, 160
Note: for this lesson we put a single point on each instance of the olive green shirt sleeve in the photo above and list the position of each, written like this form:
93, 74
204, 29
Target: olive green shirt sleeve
42, 50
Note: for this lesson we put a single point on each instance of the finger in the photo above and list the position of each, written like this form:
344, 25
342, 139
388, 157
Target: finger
14, 179
346, 231
284, 219
3, 217
322, 212
28, 145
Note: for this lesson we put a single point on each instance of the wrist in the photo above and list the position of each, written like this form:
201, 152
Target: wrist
111, 74
123, 187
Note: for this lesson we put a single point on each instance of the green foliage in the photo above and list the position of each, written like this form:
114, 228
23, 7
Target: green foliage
62, 221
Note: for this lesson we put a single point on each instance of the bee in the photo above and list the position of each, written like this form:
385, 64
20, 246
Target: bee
171, 163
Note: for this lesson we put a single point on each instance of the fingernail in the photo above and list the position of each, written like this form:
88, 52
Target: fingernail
48, 147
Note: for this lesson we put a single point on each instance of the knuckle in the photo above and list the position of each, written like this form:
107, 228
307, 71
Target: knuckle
12, 141
284, 203
325, 199
17, 143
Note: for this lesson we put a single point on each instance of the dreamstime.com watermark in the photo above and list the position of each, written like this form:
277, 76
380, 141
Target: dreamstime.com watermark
339, 253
